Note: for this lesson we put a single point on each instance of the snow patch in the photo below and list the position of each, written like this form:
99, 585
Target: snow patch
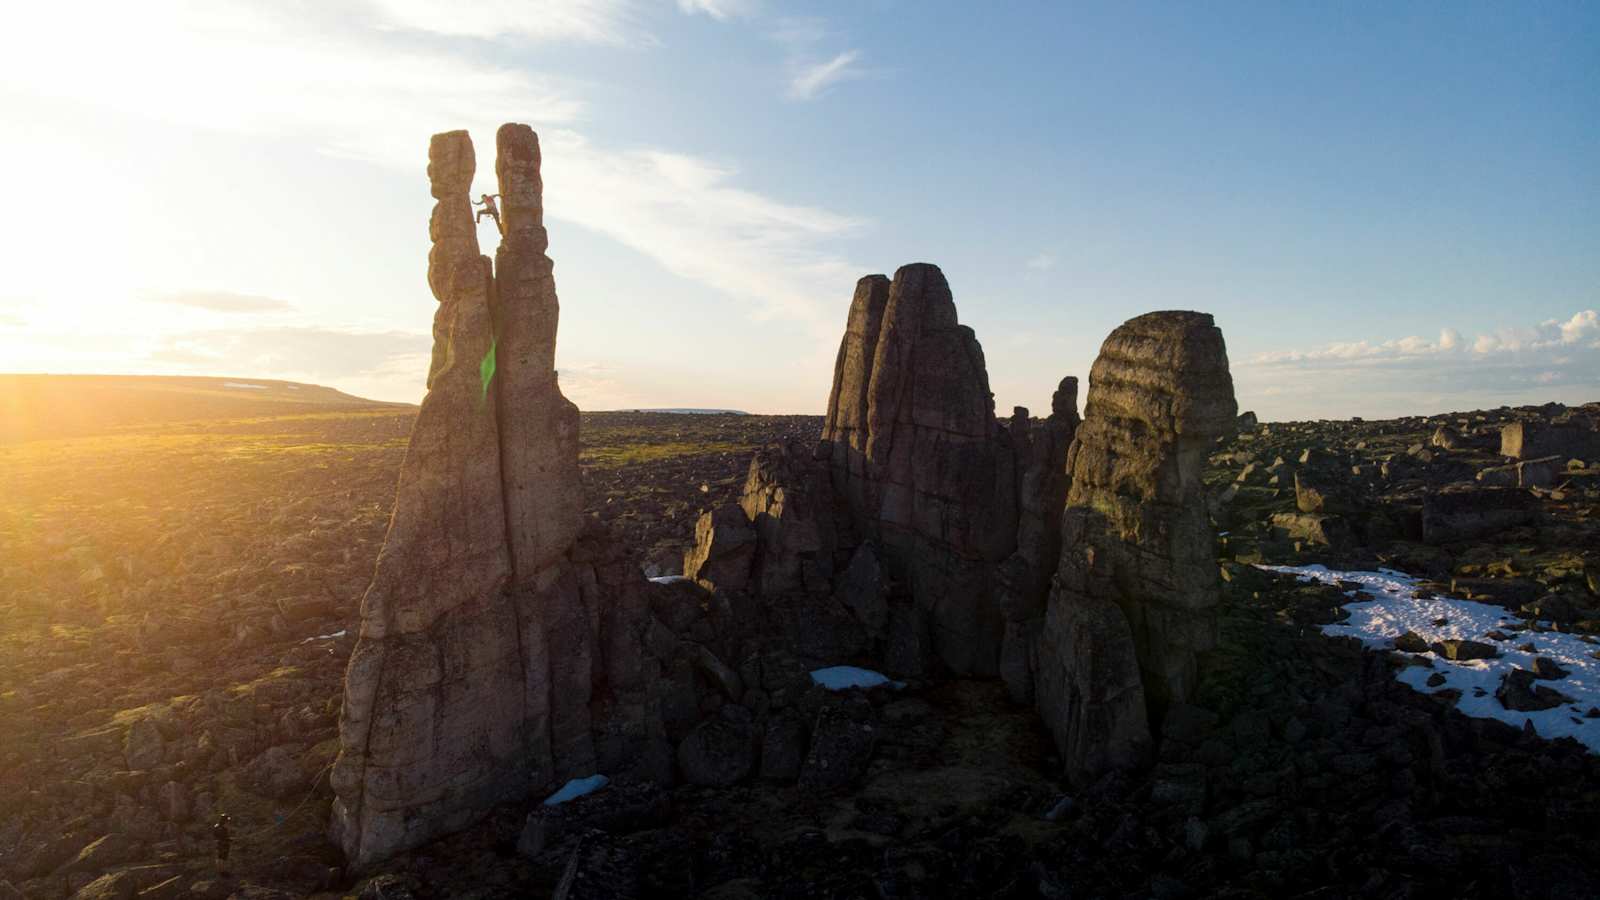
1387, 604
669, 579
242, 385
576, 788
326, 637
843, 678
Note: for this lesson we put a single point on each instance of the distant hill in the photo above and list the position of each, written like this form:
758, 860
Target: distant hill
688, 411
51, 406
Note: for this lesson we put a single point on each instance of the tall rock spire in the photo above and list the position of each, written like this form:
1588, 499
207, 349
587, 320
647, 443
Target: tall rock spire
455, 700
425, 726
919, 459
538, 426
1137, 584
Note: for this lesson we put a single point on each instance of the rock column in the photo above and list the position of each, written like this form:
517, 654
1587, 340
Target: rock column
501, 651
915, 451
1134, 595
432, 723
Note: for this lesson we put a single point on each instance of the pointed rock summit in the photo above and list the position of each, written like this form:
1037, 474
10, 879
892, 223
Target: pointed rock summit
920, 462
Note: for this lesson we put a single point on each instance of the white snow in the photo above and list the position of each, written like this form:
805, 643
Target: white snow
240, 384
576, 788
669, 579
1387, 604
325, 637
843, 678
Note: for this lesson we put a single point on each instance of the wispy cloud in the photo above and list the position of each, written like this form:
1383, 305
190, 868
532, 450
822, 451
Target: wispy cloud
224, 301
813, 80
588, 21
1043, 262
721, 10
347, 84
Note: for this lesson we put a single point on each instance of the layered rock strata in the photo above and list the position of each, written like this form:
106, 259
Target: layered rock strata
1135, 590
500, 649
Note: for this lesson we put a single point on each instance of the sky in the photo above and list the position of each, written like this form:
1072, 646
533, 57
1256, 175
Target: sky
1390, 209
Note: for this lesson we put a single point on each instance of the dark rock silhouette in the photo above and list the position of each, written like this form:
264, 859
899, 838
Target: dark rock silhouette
918, 459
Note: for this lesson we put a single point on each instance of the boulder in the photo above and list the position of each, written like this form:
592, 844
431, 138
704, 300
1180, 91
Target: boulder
864, 590
173, 799
719, 752
1540, 473
724, 549
1312, 528
783, 747
1535, 439
1463, 512
788, 499
114, 886
842, 741
1517, 691
143, 746
276, 773
1137, 585
1461, 649
99, 855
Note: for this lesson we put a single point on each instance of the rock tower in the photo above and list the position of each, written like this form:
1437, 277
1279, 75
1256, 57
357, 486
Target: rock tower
1135, 590
918, 459
501, 646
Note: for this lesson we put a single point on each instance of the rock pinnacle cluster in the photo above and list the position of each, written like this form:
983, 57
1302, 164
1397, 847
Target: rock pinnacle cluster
507, 644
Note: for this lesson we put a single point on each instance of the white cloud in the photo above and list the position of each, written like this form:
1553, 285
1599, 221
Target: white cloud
1582, 325
812, 80
588, 21
688, 215
347, 84
1043, 262
721, 10
1551, 334
1409, 375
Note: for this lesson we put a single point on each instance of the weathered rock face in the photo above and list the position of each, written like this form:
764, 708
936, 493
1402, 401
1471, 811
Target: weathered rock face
1136, 585
489, 622
1462, 513
1572, 436
919, 461
538, 426
1025, 575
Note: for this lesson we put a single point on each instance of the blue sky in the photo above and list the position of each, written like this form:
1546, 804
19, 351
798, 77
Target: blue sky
1389, 208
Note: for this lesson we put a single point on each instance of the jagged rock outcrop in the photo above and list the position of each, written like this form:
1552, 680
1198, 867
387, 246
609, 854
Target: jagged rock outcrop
918, 460
1134, 593
1025, 575
501, 650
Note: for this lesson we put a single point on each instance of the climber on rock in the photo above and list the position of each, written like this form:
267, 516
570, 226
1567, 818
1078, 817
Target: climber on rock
489, 209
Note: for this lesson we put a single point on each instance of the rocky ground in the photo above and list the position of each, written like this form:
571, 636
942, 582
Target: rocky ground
177, 600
